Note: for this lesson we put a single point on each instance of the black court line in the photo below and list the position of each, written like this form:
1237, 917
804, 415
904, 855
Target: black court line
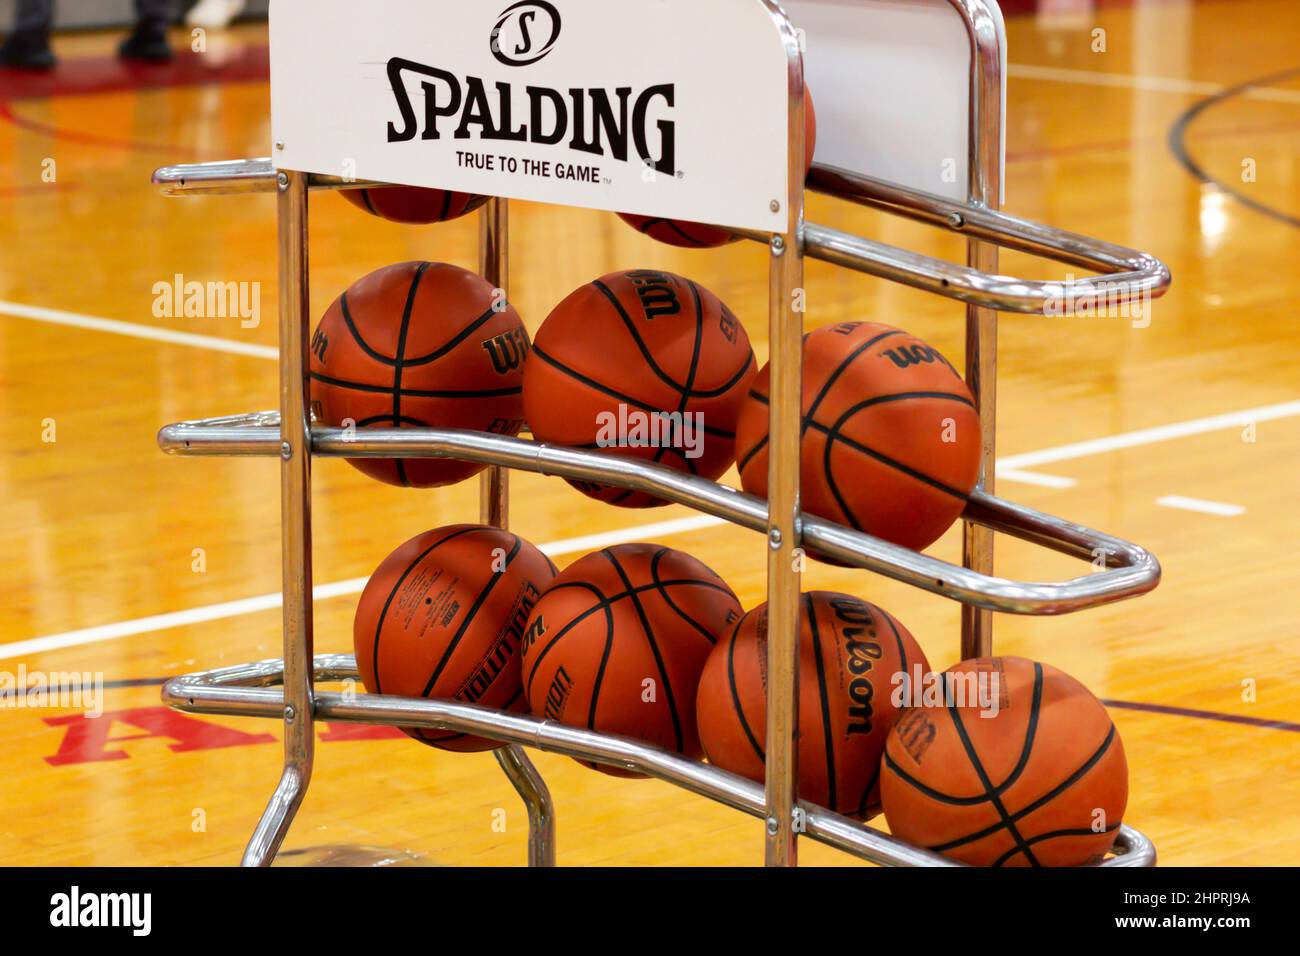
1265, 723
1178, 144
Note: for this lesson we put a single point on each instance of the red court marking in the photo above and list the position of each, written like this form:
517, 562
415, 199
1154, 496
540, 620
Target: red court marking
1051, 8
86, 139
1120, 145
1265, 723
109, 74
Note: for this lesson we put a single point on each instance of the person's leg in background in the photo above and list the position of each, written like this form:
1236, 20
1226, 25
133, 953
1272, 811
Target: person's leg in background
29, 43
149, 40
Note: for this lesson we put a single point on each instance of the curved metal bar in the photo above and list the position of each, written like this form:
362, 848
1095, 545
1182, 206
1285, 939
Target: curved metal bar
1136, 274
532, 789
1131, 570
1127, 273
248, 690
1132, 848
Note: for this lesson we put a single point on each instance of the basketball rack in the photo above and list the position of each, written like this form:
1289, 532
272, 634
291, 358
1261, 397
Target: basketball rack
286, 689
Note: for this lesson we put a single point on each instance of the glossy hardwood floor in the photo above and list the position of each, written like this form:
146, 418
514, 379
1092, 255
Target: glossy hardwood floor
98, 528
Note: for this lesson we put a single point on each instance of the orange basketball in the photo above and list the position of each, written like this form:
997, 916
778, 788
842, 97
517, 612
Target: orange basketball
891, 437
413, 205
680, 232
643, 364
617, 642
421, 344
443, 616
850, 656
697, 235
1021, 766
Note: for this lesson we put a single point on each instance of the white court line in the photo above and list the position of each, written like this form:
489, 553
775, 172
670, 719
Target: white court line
1006, 466
78, 321
1152, 84
1201, 506
1034, 478
269, 602
1010, 469
1150, 436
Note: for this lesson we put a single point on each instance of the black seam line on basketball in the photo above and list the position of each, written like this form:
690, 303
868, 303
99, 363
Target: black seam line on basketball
379, 625
389, 419
828, 446
346, 311
878, 400
735, 693
694, 367
651, 223
933, 794
969, 747
902, 664
834, 435
1031, 734
603, 602
843, 366
1073, 778
469, 616
687, 463
1040, 801
688, 389
555, 638
668, 599
457, 339
654, 649
417, 392
863, 806
407, 310
823, 694
365, 198
419, 360
1053, 835
683, 233
600, 671
446, 205
614, 393
636, 338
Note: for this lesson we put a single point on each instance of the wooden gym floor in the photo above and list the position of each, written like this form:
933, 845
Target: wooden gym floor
1100, 422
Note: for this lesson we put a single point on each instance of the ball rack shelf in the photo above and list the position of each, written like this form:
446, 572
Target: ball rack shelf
286, 688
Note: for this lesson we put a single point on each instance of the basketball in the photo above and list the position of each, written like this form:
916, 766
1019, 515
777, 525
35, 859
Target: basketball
1021, 767
421, 344
443, 616
891, 437
697, 235
617, 643
851, 654
413, 205
644, 364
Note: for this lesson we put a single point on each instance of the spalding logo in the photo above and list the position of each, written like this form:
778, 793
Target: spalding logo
525, 33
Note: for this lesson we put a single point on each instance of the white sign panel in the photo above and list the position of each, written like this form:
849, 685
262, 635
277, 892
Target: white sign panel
891, 81
671, 108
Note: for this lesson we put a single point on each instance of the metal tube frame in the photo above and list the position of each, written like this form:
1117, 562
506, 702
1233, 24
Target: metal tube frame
247, 689
983, 191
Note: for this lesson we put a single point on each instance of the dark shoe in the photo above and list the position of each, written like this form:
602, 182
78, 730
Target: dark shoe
29, 51
147, 43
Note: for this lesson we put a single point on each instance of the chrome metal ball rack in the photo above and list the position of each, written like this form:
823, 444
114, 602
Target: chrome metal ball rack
286, 688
